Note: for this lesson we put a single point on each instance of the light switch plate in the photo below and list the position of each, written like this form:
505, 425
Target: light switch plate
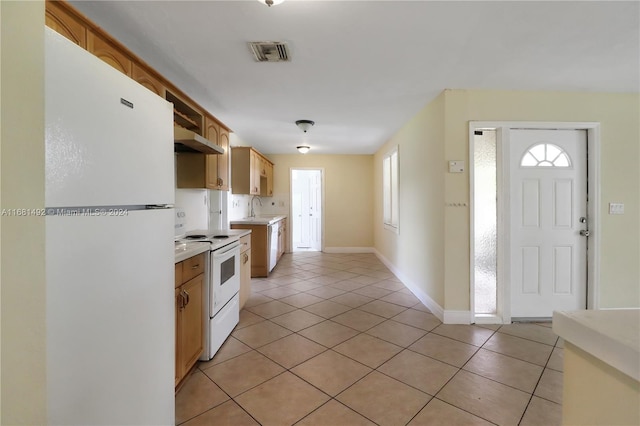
616, 208
456, 166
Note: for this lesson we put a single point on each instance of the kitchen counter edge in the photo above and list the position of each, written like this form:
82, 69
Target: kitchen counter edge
195, 248
258, 220
609, 335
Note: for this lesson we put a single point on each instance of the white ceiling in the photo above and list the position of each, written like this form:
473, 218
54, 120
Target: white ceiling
362, 69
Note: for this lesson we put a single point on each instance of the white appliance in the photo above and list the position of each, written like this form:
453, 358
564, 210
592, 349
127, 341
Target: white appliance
222, 310
217, 207
274, 235
109, 258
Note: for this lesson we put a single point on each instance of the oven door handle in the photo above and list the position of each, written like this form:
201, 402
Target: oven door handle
220, 253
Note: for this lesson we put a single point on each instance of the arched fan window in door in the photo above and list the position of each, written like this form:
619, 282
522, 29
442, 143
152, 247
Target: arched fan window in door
545, 155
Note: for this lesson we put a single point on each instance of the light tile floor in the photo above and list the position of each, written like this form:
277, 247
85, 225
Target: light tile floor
336, 339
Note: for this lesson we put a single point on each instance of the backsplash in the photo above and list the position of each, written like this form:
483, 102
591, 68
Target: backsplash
239, 205
194, 204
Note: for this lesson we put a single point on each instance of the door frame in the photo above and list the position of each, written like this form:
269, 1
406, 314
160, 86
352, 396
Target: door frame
290, 236
503, 293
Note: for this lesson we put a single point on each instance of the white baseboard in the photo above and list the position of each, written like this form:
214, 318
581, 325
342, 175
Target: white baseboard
417, 291
349, 250
447, 317
457, 317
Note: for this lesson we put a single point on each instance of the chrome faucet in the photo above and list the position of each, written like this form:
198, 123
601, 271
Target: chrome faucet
253, 213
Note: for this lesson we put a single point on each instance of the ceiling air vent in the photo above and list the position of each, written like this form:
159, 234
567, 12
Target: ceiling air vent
270, 51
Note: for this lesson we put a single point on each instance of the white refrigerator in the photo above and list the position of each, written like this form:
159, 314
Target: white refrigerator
109, 257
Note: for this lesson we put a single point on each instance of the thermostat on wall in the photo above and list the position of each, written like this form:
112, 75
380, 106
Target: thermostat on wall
456, 166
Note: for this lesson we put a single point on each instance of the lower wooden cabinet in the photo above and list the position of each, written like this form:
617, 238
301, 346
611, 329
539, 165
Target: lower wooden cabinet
282, 237
245, 269
189, 294
259, 245
260, 249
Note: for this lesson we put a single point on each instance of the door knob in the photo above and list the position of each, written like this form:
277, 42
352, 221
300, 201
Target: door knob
585, 233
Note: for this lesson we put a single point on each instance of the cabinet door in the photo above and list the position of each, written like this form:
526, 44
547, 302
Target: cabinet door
106, 51
245, 276
141, 75
254, 173
282, 232
190, 327
263, 167
269, 180
223, 160
62, 22
212, 132
178, 370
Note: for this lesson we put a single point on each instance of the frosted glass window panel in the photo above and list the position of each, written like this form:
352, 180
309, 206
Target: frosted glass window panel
485, 223
390, 188
386, 188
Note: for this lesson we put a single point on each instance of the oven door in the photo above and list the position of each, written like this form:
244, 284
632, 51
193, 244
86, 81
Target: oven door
225, 276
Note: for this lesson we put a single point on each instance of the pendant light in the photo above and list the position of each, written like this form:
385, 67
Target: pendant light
271, 2
304, 125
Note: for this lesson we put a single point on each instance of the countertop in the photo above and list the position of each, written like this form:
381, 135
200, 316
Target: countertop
187, 249
190, 249
258, 220
611, 335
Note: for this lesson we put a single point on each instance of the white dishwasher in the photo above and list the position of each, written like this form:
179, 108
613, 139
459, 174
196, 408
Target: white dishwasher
273, 230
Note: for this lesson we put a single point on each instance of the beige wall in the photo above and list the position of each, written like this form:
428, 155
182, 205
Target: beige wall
417, 251
439, 133
348, 202
22, 306
595, 393
619, 115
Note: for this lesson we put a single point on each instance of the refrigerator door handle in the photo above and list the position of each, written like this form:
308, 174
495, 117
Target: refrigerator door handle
158, 206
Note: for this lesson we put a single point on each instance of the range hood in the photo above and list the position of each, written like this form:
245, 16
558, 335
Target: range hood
187, 141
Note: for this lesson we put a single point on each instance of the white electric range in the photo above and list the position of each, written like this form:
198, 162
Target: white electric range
221, 301
222, 274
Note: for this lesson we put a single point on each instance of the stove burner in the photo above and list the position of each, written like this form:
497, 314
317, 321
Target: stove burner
195, 237
220, 237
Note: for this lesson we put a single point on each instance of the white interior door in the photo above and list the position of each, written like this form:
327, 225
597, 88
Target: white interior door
315, 210
306, 206
548, 210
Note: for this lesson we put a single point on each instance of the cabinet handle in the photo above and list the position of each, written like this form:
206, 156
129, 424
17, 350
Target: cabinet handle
195, 266
186, 302
180, 301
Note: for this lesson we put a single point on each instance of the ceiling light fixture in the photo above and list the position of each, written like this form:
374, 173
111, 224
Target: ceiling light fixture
303, 149
305, 125
271, 2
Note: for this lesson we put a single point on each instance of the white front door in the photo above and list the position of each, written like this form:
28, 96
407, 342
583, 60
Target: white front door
548, 209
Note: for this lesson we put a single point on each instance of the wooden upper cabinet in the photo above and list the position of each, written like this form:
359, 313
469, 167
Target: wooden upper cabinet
109, 53
217, 165
58, 19
223, 159
212, 133
145, 78
246, 170
269, 183
212, 129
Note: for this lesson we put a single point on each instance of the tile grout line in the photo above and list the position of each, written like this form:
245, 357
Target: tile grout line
383, 318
